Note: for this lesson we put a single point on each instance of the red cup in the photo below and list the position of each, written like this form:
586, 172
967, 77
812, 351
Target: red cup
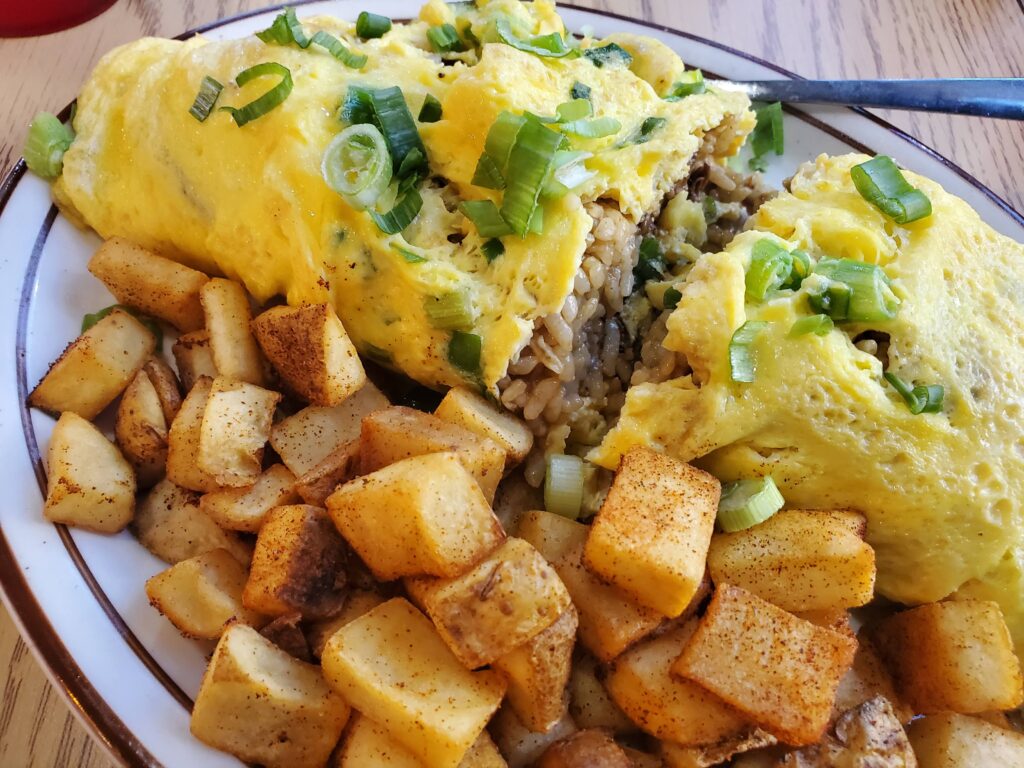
22, 18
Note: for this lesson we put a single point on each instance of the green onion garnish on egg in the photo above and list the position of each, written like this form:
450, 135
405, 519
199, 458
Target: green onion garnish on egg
486, 218
357, 165
269, 100
493, 163
691, 82
576, 109
209, 90
924, 398
339, 50
492, 249
563, 485
609, 55
450, 311
643, 133
882, 184
767, 136
401, 215
371, 25
801, 268
444, 38
395, 121
770, 268
671, 298
430, 112
47, 141
597, 128
871, 299
410, 256
464, 351
548, 46
650, 263
530, 164
579, 91
746, 503
742, 361
285, 30
819, 325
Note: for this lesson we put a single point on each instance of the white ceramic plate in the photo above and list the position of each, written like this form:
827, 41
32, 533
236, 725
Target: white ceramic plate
78, 596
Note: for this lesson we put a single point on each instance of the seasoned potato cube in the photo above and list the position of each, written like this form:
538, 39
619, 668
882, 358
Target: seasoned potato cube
438, 522
245, 509
311, 435
520, 746
170, 524
468, 409
96, 367
286, 633
394, 668
298, 565
641, 683
585, 749
322, 480
830, 618
236, 354
537, 672
183, 441
867, 679
141, 430
357, 603
610, 620
235, 429
780, 671
397, 433
88, 482
589, 703
194, 358
498, 605
263, 706
651, 536
799, 560
554, 536
949, 740
165, 382
153, 285
955, 656
201, 595
678, 756
311, 352
367, 744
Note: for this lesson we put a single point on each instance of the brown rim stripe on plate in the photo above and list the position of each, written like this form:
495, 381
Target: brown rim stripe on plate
105, 724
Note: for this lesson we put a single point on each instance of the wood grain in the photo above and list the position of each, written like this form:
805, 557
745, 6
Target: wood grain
815, 38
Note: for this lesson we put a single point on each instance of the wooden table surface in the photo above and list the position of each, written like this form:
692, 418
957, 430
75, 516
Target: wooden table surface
815, 38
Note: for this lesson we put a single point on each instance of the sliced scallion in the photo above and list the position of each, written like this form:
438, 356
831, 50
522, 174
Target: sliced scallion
486, 218
529, 166
570, 172
450, 311
767, 135
871, 299
401, 215
563, 485
396, 123
285, 30
410, 256
444, 38
357, 165
548, 46
746, 503
493, 163
464, 352
597, 128
48, 139
671, 298
643, 133
650, 263
430, 112
492, 249
576, 109
819, 325
339, 50
580, 91
371, 25
357, 107
691, 82
609, 55
801, 268
924, 398
742, 361
272, 98
882, 184
209, 90
770, 267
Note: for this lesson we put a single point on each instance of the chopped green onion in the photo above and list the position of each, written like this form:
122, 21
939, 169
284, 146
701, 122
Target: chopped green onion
410, 256
770, 267
563, 485
576, 109
357, 107
548, 46
209, 90
691, 82
272, 98
430, 112
89, 320
396, 123
371, 25
742, 364
464, 351
651, 262
579, 91
828, 297
819, 325
48, 139
709, 206
671, 298
409, 170
285, 30
486, 218
492, 249
597, 128
881, 183
444, 38
871, 298
767, 135
570, 172
610, 54
450, 311
357, 165
401, 215
920, 399
643, 134
801, 268
530, 164
338, 50
493, 163
746, 503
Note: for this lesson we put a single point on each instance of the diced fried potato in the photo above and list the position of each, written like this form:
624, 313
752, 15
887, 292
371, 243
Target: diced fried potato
311, 435
610, 620
589, 702
155, 286
396, 433
641, 684
88, 483
263, 706
496, 606
438, 522
236, 354
416, 689
678, 756
201, 595
955, 656
799, 560
183, 441
518, 744
96, 367
865, 680
286, 633
651, 536
367, 744
357, 603
779, 671
169, 523
585, 749
468, 409
957, 741
322, 480
141, 430
311, 352
830, 618
298, 565
194, 358
514, 498
245, 509
483, 754
867, 735
554, 536
998, 719
538, 671
165, 382
235, 429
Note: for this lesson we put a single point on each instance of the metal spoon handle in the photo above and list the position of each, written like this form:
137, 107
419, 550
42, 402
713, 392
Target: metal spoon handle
986, 97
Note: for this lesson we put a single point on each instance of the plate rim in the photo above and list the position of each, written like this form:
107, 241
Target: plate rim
34, 626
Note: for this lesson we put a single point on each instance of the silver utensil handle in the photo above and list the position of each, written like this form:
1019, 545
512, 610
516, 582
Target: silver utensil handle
985, 97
